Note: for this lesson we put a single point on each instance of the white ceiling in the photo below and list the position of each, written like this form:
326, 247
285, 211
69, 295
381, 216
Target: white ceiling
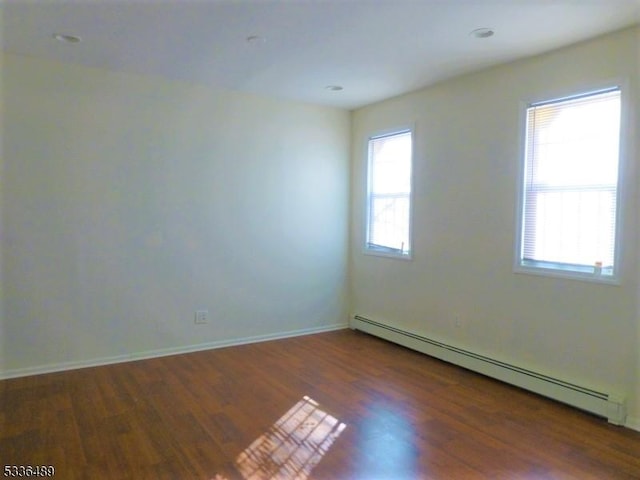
375, 49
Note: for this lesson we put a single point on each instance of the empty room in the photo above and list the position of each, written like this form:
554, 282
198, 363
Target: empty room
332, 239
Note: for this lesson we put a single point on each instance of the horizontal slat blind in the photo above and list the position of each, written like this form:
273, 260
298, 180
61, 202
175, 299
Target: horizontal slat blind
571, 180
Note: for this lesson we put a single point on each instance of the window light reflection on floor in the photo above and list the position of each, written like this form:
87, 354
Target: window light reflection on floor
292, 446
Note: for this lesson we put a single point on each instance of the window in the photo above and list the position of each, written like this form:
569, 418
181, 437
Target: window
389, 194
570, 186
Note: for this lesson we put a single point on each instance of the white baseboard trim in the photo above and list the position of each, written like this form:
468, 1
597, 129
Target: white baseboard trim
163, 352
633, 423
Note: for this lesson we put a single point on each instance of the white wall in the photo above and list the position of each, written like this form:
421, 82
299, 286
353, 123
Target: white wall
2, 336
634, 420
130, 202
127, 202
466, 164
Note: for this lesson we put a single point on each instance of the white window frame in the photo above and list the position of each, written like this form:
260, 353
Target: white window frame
561, 270
408, 255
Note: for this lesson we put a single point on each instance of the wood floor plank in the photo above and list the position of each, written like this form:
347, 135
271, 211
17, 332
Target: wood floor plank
407, 416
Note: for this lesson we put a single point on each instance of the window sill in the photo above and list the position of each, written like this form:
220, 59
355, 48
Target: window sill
567, 273
381, 253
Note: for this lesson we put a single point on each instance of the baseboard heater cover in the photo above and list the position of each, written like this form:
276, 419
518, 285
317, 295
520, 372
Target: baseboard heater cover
607, 405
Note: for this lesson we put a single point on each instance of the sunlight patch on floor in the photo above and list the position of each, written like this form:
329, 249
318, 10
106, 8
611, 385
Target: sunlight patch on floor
292, 446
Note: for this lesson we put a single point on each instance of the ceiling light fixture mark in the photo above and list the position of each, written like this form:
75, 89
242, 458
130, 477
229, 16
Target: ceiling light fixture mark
334, 88
482, 32
66, 38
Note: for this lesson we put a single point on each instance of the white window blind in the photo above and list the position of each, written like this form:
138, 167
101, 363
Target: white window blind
389, 194
571, 183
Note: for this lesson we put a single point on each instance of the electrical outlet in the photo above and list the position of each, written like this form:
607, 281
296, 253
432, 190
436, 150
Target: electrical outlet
202, 316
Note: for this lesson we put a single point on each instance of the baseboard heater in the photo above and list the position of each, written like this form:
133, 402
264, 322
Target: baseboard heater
603, 404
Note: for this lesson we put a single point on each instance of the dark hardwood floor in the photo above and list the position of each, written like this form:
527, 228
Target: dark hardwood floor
340, 405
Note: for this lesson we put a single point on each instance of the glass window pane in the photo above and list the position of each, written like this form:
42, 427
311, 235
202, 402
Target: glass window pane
570, 190
388, 223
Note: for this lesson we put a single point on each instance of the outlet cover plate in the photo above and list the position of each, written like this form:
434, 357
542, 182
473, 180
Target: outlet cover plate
202, 317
